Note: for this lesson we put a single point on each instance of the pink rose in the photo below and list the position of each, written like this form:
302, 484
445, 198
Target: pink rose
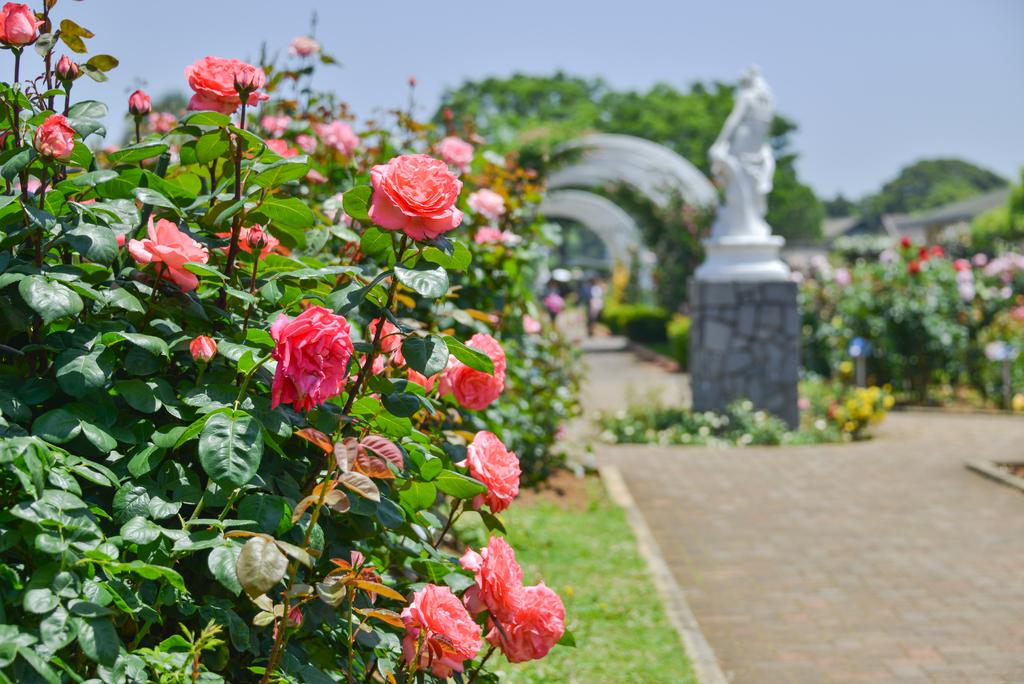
303, 46
475, 389
416, 194
531, 326
490, 462
203, 348
162, 122
420, 379
439, 633
499, 580
250, 236
66, 69
306, 142
338, 135
55, 139
489, 234
170, 249
275, 125
534, 628
487, 203
18, 24
139, 103
390, 336
843, 277
456, 152
213, 80
282, 148
314, 176
313, 350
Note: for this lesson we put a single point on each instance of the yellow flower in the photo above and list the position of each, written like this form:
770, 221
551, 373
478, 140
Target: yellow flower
890, 401
1018, 402
849, 426
846, 368
837, 322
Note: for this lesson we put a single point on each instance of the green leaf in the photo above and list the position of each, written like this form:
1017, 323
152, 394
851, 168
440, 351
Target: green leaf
280, 172
95, 243
81, 371
401, 404
568, 639
72, 35
458, 485
492, 522
230, 448
206, 118
376, 243
222, 562
154, 345
154, 198
473, 358
138, 395
87, 109
426, 355
202, 270
431, 282
458, 260
290, 212
138, 152
270, 512
102, 62
145, 460
48, 298
261, 565
211, 146
140, 531
16, 163
98, 639
57, 426
92, 178
39, 601
356, 202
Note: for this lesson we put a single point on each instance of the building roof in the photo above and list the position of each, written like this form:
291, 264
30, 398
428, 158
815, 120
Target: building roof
961, 211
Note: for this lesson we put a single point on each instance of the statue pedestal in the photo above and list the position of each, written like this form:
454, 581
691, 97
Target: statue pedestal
734, 259
745, 344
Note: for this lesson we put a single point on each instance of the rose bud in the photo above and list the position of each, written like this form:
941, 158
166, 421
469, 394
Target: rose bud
256, 238
55, 139
247, 79
203, 348
67, 70
412, 81
139, 104
18, 24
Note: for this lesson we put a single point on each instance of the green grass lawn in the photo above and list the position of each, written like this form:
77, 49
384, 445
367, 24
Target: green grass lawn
584, 549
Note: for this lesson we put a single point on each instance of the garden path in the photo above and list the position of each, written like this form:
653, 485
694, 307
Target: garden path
880, 561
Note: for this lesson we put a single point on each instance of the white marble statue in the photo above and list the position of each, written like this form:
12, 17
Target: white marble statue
742, 246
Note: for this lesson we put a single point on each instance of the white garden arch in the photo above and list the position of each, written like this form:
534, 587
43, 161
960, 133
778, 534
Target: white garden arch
602, 159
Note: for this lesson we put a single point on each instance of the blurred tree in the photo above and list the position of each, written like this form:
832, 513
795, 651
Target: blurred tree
532, 114
929, 183
1002, 227
839, 206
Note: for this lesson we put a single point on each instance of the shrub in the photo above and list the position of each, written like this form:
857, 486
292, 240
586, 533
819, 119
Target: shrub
679, 340
639, 322
234, 409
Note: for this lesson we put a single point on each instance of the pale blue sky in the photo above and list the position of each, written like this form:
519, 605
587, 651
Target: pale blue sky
873, 84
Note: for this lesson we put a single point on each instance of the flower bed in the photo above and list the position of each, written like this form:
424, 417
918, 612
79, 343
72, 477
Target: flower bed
253, 366
830, 413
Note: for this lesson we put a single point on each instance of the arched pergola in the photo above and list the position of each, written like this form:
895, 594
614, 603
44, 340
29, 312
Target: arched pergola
603, 159
653, 169
616, 229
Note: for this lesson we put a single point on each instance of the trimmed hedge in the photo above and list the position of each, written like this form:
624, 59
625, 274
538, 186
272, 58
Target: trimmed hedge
639, 322
679, 340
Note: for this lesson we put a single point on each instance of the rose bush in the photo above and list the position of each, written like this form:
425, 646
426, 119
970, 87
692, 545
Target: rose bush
226, 452
927, 317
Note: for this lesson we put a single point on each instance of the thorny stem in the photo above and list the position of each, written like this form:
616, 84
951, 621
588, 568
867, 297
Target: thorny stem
479, 667
236, 225
293, 568
364, 372
453, 515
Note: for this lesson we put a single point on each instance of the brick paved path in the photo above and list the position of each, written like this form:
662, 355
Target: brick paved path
881, 561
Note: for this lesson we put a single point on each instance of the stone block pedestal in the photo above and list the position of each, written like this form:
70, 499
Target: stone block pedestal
745, 344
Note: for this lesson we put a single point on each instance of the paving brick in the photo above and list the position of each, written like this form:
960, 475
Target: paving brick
884, 561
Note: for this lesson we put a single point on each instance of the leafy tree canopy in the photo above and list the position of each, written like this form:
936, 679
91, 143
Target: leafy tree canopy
929, 183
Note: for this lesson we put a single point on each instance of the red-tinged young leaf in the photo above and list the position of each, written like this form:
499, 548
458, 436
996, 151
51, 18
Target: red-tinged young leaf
314, 436
388, 616
261, 565
361, 485
381, 589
